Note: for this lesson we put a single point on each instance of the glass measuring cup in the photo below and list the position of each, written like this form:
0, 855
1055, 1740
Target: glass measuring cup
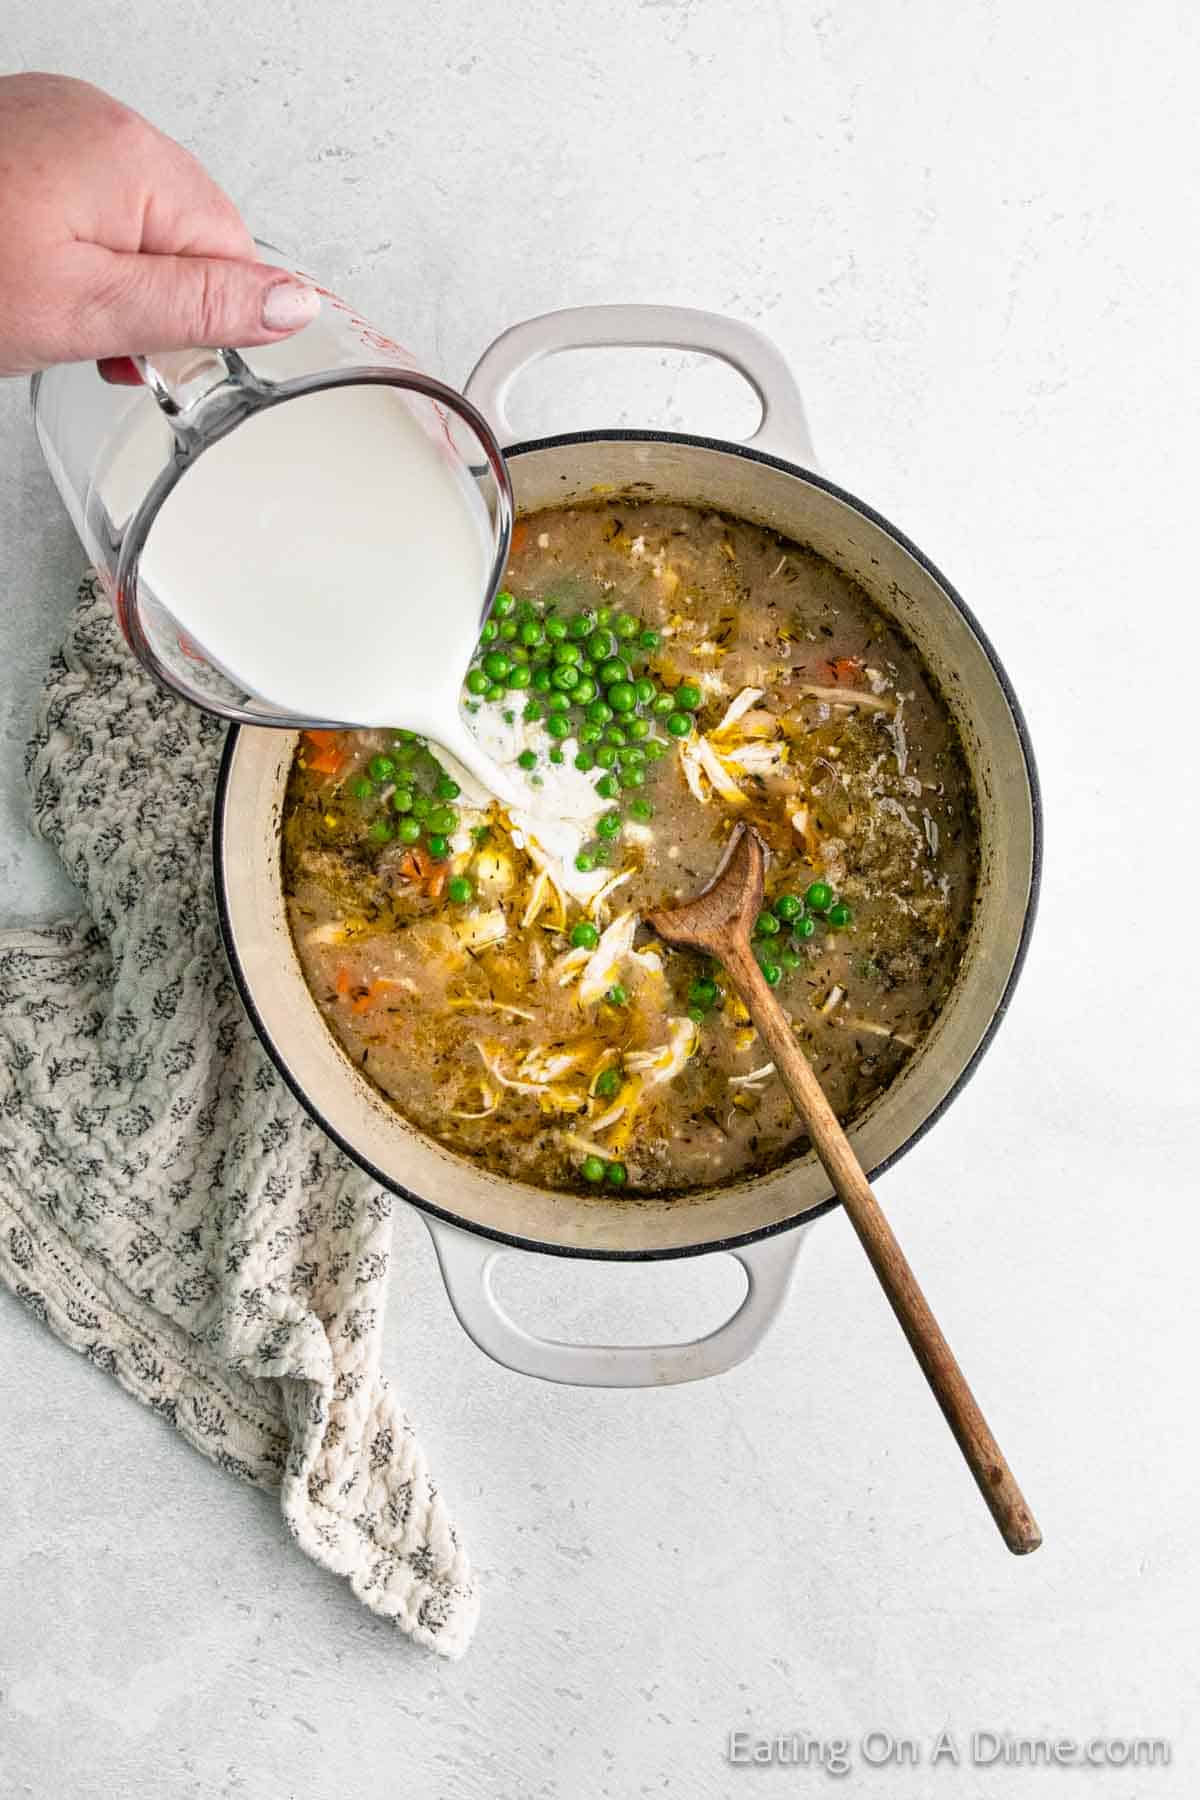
118, 454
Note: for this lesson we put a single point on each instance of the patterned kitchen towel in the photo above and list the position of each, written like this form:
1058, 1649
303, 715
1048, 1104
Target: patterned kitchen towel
165, 1205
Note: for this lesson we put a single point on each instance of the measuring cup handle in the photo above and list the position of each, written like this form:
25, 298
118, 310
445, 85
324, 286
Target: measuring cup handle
182, 381
782, 429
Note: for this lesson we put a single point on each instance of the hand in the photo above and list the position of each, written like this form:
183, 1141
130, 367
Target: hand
113, 240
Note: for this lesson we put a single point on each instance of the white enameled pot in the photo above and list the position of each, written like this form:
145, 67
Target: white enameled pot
476, 1217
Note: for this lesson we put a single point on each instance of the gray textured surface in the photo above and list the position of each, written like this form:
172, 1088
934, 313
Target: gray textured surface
965, 228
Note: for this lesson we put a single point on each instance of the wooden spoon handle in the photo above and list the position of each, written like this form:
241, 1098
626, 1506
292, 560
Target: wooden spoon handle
983, 1454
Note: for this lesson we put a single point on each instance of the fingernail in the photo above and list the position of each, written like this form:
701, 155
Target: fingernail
287, 306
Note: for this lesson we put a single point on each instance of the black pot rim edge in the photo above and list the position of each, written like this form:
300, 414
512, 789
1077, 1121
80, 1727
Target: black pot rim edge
673, 1253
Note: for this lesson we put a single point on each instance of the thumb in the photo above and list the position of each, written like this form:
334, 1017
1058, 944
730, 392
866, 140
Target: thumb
183, 302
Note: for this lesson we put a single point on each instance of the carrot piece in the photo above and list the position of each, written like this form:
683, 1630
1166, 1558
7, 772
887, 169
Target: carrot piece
409, 867
326, 755
846, 668
342, 984
520, 533
325, 762
435, 884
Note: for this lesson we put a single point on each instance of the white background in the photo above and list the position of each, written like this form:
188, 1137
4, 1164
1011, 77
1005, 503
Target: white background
972, 228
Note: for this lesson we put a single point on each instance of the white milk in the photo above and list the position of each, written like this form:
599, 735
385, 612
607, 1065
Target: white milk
332, 558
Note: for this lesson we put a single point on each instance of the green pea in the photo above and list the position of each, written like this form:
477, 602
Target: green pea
608, 787
447, 788
633, 777
496, 665
527, 759
622, 696
361, 788
804, 928
556, 630
642, 809
615, 735
518, 653
625, 625
421, 806
696, 1014
612, 669
477, 682
556, 701
566, 653
772, 973
592, 1168
631, 753
533, 710
585, 690
495, 692
584, 760
819, 897
791, 959
788, 906
381, 831
408, 829
663, 704
556, 755
508, 630
649, 640
558, 725
438, 848
608, 825
606, 756
503, 604
638, 728
702, 993
600, 856
542, 681
766, 925
604, 616
616, 1174
488, 630
601, 645
402, 800
581, 625
531, 634
599, 712
655, 750
380, 768
566, 677
520, 677
617, 995
590, 734
460, 890
679, 724
688, 696
443, 818
584, 863
645, 690
584, 936
839, 915
407, 755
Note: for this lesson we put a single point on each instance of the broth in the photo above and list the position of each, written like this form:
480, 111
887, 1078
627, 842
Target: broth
485, 968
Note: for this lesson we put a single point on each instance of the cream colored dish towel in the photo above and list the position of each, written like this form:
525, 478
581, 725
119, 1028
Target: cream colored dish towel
166, 1207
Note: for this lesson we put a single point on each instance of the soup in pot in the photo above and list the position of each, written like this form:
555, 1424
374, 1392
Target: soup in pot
653, 674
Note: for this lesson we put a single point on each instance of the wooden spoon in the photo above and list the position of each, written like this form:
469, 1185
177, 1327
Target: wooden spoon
719, 920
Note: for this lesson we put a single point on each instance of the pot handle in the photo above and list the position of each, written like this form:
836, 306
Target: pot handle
468, 1263
783, 428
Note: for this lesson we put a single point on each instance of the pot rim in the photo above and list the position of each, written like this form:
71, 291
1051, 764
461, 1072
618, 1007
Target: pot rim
535, 1245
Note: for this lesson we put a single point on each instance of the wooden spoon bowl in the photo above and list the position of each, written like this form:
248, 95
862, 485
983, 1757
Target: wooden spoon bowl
719, 920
